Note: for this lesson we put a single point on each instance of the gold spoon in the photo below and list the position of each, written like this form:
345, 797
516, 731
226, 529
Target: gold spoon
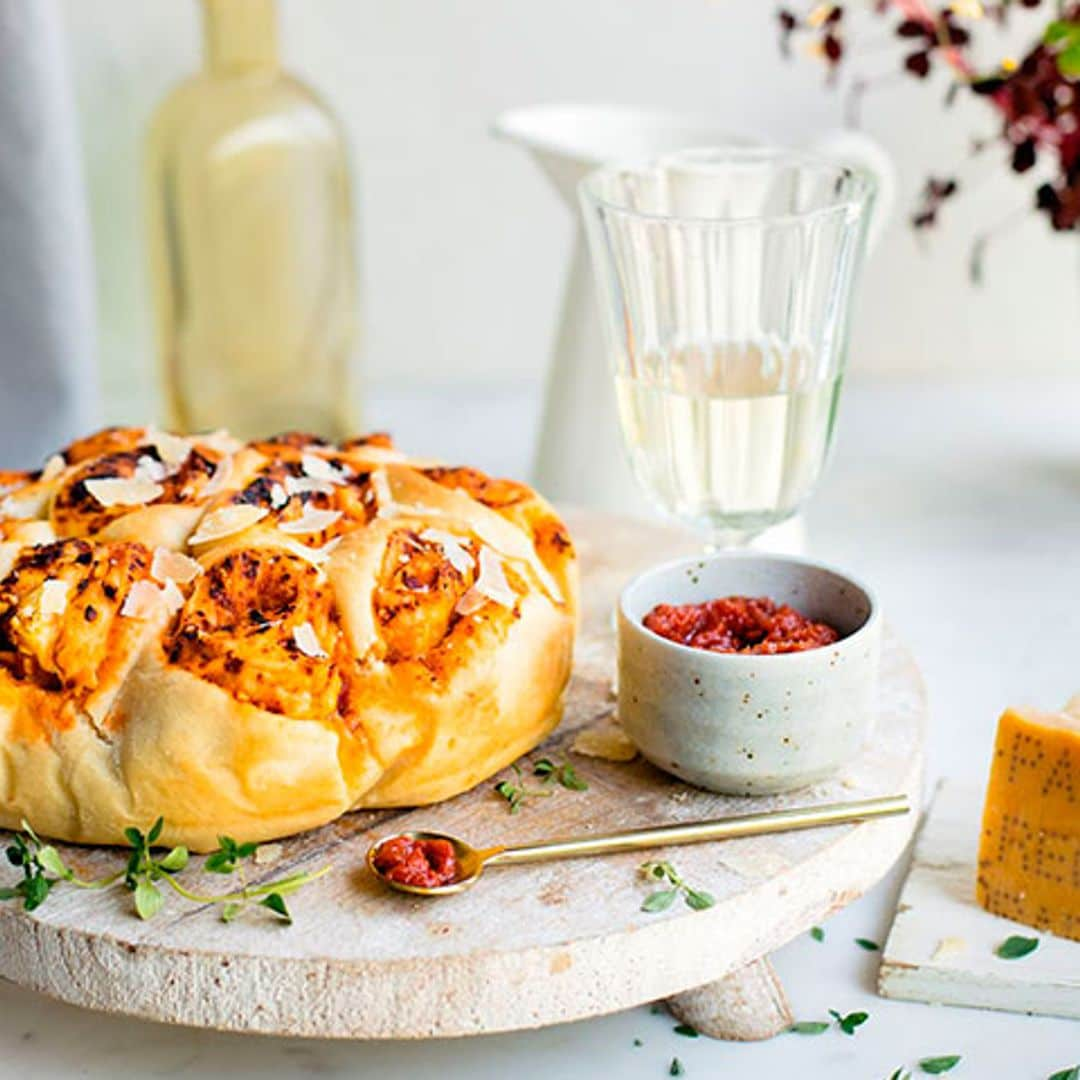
471, 861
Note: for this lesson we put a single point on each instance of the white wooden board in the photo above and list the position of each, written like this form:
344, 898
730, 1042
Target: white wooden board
528, 946
941, 947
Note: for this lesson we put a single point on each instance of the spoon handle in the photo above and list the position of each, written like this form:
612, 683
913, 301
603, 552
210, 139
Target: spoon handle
804, 817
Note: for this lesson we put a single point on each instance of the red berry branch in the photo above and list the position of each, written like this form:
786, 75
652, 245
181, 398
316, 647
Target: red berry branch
1036, 100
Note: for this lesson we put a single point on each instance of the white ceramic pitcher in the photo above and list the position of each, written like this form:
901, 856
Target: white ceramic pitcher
579, 455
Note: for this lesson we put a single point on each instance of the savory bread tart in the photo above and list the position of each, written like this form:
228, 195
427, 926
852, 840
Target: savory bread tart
254, 638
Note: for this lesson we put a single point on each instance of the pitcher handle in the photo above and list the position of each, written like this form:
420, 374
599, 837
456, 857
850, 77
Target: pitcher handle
855, 148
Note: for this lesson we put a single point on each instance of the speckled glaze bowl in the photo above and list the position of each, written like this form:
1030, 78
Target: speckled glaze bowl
749, 724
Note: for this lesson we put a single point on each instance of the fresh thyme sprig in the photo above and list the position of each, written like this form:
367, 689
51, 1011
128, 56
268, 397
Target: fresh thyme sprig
145, 872
662, 899
517, 791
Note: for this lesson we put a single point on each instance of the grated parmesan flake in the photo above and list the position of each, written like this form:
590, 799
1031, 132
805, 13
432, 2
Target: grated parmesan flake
172, 596
453, 547
54, 596
490, 584
279, 497
53, 468
172, 449
310, 521
307, 642
318, 468
304, 485
170, 565
148, 468
143, 601
227, 520
124, 490
222, 474
21, 507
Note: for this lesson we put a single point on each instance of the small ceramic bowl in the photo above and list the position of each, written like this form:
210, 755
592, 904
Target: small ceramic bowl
749, 724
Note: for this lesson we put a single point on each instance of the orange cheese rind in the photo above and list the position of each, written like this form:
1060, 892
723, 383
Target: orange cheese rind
1029, 848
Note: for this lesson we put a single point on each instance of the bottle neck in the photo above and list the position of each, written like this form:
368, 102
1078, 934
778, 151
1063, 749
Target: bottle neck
239, 35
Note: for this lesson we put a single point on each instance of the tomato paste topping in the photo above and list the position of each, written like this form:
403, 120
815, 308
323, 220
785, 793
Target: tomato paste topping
409, 861
739, 624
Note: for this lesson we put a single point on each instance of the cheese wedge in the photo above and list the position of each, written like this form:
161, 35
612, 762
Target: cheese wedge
1029, 850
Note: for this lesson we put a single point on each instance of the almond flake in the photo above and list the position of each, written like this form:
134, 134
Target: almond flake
170, 565
310, 521
53, 596
278, 496
227, 520
303, 485
318, 468
222, 473
123, 490
143, 601
453, 547
307, 642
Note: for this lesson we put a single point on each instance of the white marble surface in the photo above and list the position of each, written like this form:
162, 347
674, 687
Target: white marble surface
961, 503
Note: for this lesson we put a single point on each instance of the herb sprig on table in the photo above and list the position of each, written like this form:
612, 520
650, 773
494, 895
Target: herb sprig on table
519, 790
662, 899
146, 872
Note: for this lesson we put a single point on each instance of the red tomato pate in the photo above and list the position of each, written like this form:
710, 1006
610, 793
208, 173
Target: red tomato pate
739, 624
409, 861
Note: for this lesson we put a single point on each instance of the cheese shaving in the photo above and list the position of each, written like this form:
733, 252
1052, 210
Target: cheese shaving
311, 521
172, 449
278, 496
227, 520
148, 468
172, 566
303, 485
307, 642
222, 474
384, 497
9, 554
53, 596
314, 555
605, 740
490, 584
172, 596
123, 490
949, 948
143, 601
221, 441
318, 468
453, 547
53, 468
22, 506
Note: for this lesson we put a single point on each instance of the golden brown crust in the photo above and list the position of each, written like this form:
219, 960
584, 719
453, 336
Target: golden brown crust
254, 639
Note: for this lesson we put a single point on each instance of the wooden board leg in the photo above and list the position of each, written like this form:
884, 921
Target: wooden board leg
746, 1005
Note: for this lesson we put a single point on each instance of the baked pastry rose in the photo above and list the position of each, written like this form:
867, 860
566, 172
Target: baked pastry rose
253, 639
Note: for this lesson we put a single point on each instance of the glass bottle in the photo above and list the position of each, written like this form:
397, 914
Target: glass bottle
251, 241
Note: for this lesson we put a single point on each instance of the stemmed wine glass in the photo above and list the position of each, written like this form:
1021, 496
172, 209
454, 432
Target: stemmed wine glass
725, 279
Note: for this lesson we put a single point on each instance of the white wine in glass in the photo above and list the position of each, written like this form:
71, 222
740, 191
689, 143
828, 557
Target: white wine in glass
725, 279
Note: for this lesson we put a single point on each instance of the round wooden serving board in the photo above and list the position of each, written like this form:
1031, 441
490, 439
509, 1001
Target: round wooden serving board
528, 946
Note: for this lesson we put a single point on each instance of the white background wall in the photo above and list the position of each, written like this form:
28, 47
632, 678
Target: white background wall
463, 243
